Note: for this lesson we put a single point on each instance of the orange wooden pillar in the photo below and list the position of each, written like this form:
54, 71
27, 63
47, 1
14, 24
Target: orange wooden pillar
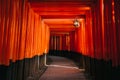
47, 38
3, 34
116, 19
72, 41
64, 42
42, 37
97, 31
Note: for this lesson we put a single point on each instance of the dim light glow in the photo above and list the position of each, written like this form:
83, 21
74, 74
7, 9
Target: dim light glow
76, 23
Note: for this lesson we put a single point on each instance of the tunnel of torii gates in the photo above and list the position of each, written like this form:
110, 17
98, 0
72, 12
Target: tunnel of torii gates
29, 29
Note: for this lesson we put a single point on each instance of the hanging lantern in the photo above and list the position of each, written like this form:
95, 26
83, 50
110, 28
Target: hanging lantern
76, 23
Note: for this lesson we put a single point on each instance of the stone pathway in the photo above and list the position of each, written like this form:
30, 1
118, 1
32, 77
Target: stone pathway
63, 69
